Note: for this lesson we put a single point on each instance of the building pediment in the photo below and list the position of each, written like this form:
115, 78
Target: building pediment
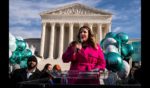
75, 9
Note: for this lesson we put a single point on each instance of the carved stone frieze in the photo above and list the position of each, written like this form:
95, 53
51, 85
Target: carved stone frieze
74, 11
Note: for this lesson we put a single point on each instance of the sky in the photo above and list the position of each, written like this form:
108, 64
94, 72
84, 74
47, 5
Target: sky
25, 21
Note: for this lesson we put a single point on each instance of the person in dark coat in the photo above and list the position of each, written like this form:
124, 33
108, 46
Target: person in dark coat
46, 70
133, 76
56, 73
26, 74
137, 75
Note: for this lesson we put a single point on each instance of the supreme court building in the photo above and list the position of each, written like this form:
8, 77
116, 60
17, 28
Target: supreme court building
61, 25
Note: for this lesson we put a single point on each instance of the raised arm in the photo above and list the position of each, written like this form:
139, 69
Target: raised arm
69, 54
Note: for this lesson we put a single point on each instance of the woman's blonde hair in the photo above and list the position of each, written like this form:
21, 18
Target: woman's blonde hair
91, 37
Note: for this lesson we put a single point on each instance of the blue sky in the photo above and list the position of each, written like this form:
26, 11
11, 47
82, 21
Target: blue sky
25, 21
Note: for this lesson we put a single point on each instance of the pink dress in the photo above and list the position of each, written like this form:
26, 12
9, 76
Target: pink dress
85, 59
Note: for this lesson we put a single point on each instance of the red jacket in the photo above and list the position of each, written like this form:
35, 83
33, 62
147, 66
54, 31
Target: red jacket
85, 59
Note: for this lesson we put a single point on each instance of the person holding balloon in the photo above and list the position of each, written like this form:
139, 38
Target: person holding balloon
85, 55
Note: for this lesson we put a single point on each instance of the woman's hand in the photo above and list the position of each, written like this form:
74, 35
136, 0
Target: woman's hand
78, 46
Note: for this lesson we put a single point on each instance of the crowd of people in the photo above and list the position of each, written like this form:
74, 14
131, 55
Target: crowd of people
51, 72
33, 73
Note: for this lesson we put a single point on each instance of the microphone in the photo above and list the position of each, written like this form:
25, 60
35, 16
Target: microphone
80, 40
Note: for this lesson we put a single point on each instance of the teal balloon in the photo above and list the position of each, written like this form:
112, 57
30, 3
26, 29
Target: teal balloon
111, 48
21, 45
27, 53
105, 55
102, 42
114, 61
16, 57
122, 37
130, 49
24, 58
124, 51
12, 60
127, 50
122, 57
110, 35
109, 41
23, 64
124, 73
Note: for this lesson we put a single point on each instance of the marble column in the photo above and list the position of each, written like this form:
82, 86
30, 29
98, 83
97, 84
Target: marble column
91, 27
42, 40
61, 40
51, 49
80, 25
70, 32
109, 27
99, 32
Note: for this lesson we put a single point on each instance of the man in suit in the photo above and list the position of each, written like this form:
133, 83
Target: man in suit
26, 74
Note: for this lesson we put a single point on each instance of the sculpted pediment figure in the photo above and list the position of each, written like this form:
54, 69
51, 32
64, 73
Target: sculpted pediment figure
76, 9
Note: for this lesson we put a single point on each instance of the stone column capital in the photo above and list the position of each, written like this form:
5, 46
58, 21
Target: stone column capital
52, 23
44, 23
62, 24
100, 24
81, 24
90, 24
71, 24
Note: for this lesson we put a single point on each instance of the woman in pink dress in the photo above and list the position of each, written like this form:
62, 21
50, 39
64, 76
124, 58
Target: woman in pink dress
85, 55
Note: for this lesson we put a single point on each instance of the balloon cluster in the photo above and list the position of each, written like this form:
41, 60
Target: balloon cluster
117, 51
18, 51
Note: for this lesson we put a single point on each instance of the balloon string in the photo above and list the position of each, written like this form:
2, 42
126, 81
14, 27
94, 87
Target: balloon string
119, 47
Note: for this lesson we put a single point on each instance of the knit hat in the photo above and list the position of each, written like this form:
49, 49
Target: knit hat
32, 58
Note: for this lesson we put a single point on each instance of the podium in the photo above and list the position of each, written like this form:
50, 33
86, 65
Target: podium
64, 78
78, 77
39, 83
70, 79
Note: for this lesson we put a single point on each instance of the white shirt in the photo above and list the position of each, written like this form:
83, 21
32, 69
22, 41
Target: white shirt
29, 73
